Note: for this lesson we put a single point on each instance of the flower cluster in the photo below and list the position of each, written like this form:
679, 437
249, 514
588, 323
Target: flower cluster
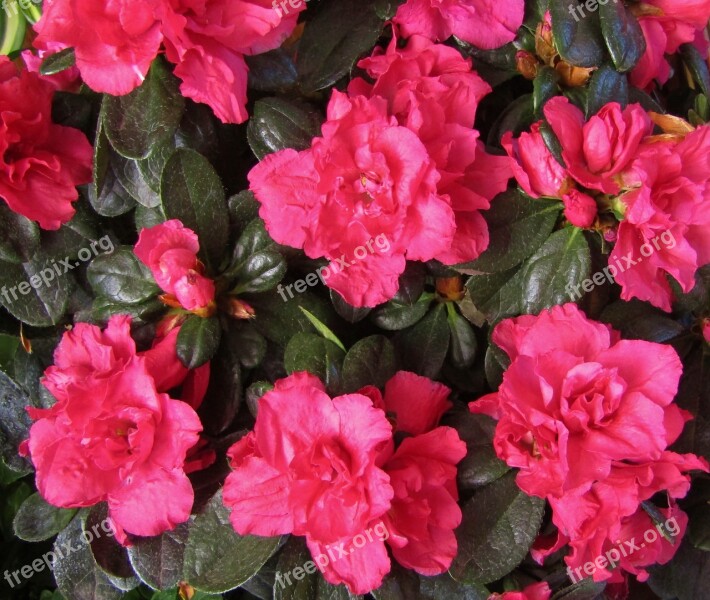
328, 469
114, 434
116, 42
614, 163
397, 157
587, 418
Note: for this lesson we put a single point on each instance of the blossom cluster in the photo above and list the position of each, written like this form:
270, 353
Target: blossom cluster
587, 419
656, 185
328, 469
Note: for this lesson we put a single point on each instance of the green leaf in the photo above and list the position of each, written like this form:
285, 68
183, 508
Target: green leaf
37, 520
443, 587
45, 303
695, 62
586, 589
133, 181
77, 574
423, 347
260, 273
192, 192
106, 194
685, 576
198, 341
243, 210
499, 525
496, 362
371, 361
639, 320
317, 355
58, 62
464, 345
516, 117
518, 225
272, 72
322, 328
121, 277
351, 314
150, 114
606, 85
334, 39
292, 559
278, 123
564, 260
578, 40
224, 394
216, 558
19, 237
481, 466
158, 560
497, 295
110, 556
622, 34
545, 87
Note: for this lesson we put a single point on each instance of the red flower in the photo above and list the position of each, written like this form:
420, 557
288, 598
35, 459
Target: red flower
310, 468
666, 220
537, 171
576, 398
169, 250
365, 179
483, 23
431, 89
115, 43
598, 150
40, 163
112, 435
666, 24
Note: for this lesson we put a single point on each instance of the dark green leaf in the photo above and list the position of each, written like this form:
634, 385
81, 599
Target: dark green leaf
110, 556
640, 321
685, 577
243, 209
158, 560
564, 260
198, 341
499, 525
697, 66
58, 62
77, 574
496, 363
150, 114
42, 305
131, 178
578, 40
292, 561
272, 72
315, 354
497, 295
545, 87
518, 225
481, 466
371, 361
224, 394
351, 314
423, 347
606, 85
192, 191
121, 277
38, 520
19, 237
334, 39
216, 558
278, 124
517, 117
622, 34
260, 273
463, 340
583, 590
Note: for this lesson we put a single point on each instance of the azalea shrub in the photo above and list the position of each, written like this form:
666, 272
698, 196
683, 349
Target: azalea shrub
354, 299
